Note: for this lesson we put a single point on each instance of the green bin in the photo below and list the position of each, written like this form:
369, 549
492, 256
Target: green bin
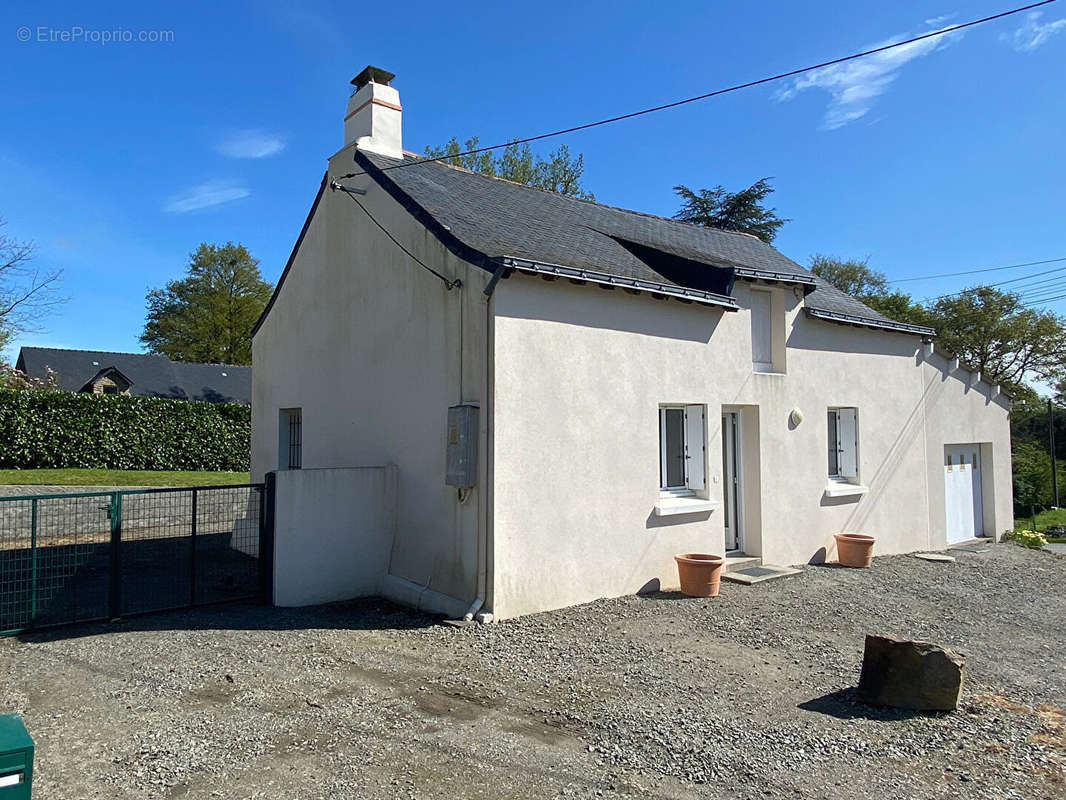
16, 759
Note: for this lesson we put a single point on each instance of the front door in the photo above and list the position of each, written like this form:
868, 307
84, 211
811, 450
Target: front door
963, 503
732, 494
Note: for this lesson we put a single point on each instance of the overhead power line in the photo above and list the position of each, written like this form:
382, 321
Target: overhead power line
1045, 301
1043, 294
716, 92
1001, 283
977, 271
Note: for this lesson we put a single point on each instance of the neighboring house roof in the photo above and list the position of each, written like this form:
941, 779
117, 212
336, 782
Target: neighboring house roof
148, 374
498, 221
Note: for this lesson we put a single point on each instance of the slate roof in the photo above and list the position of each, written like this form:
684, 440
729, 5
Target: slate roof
498, 219
150, 375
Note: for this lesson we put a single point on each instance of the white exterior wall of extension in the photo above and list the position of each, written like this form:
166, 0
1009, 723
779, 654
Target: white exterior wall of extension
367, 344
580, 374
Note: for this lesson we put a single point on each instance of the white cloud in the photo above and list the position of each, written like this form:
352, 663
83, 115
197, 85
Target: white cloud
935, 21
251, 144
1032, 34
205, 195
854, 85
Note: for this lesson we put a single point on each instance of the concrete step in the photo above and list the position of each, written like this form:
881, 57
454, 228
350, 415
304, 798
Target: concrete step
753, 574
739, 561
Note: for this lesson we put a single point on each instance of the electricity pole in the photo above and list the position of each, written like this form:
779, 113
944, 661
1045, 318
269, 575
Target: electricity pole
1054, 469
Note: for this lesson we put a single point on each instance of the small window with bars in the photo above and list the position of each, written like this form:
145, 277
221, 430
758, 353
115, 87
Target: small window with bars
290, 446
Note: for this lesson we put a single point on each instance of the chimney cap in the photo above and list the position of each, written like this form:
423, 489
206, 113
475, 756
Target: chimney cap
372, 75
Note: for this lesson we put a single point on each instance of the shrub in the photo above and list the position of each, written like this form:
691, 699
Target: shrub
1032, 539
54, 429
17, 379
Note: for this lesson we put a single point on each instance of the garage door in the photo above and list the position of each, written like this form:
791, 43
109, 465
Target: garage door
962, 492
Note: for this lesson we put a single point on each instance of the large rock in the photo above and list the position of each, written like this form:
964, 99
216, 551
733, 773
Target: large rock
914, 675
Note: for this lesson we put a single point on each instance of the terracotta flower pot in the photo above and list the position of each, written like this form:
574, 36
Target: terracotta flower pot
855, 549
700, 574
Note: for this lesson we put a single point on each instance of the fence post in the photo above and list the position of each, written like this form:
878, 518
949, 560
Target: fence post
192, 551
33, 561
115, 515
268, 497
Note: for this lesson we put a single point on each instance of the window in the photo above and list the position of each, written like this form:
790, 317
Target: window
762, 357
843, 444
290, 439
682, 449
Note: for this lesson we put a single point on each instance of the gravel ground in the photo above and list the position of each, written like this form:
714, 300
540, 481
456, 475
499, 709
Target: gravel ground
745, 695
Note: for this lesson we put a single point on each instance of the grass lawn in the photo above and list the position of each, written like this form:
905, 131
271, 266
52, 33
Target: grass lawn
117, 477
1055, 516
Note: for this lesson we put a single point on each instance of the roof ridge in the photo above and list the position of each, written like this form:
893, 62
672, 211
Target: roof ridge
424, 160
127, 353
90, 350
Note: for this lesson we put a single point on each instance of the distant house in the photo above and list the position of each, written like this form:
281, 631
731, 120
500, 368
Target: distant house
142, 374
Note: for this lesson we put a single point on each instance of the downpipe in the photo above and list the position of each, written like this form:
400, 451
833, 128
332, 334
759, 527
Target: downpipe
482, 532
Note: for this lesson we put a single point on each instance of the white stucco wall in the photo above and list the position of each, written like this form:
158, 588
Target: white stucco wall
333, 533
579, 376
368, 345
958, 412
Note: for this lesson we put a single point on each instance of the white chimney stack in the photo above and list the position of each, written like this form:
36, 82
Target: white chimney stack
373, 117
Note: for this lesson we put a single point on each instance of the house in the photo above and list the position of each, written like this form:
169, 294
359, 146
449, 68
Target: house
480, 396
137, 374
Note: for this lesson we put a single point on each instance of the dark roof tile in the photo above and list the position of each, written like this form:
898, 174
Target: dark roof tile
500, 219
151, 375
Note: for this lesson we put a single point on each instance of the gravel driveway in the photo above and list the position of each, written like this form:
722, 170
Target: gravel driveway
745, 695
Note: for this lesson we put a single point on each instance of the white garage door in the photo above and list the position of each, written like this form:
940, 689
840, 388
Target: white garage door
963, 506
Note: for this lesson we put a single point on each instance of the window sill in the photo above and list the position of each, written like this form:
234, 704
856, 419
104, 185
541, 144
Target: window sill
843, 489
770, 372
671, 504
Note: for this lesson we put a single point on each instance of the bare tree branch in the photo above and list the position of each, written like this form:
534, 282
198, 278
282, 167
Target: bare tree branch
26, 292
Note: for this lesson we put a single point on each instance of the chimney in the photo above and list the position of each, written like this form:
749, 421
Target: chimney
373, 117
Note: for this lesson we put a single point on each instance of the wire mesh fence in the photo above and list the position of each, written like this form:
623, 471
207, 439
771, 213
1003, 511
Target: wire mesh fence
77, 557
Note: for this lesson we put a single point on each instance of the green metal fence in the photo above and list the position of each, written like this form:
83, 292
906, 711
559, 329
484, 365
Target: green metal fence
84, 556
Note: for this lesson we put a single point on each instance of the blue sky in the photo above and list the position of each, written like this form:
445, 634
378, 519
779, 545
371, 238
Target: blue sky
119, 158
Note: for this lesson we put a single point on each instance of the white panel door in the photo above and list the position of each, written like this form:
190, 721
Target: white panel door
963, 503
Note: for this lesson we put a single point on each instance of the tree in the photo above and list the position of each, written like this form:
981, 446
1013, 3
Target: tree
560, 172
731, 211
208, 316
852, 276
994, 332
26, 292
1032, 475
856, 278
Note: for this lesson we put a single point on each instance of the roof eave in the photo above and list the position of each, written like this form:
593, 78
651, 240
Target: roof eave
774, 276
617, 281
865, 322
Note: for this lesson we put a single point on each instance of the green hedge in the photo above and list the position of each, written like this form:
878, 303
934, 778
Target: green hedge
41, 429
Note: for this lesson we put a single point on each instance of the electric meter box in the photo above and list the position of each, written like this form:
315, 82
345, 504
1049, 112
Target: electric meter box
16, 759
462, 445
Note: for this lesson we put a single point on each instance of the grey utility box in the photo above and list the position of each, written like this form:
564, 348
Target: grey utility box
462, 445
16, 759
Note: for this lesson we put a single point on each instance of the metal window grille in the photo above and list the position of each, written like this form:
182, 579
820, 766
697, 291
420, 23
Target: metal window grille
295, 460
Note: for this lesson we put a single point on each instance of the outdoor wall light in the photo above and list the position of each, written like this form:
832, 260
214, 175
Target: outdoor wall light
795, 417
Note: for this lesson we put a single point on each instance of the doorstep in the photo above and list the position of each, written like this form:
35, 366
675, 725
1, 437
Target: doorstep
979, 545
758, 573
737, 560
